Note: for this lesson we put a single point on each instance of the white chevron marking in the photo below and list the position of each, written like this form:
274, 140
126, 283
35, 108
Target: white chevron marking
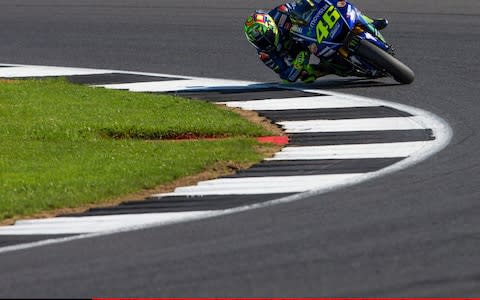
399, 123
300, 103
262, 185
33, 71
387, 150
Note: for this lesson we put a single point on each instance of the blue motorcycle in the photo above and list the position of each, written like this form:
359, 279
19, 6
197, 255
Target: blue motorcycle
346, 43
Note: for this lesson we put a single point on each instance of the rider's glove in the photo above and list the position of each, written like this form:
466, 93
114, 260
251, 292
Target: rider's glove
311, 73
301, 61
292, 73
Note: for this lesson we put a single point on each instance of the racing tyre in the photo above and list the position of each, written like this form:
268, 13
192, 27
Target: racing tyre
385, 61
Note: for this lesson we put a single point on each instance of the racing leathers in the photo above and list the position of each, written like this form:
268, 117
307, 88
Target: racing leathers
289, 59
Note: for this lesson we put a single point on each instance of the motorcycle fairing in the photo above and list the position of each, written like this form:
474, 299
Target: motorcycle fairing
311, 31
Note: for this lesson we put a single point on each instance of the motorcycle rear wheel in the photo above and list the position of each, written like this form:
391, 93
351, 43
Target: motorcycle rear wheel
385, 61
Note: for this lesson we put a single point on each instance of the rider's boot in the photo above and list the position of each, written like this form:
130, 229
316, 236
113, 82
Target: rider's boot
380, 24
374, 26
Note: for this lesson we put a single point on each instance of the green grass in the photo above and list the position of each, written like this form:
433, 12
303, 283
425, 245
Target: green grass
65, 145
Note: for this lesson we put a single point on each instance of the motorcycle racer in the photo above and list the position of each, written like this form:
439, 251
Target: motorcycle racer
269, 33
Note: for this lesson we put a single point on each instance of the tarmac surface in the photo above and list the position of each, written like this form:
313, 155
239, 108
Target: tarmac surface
413, 233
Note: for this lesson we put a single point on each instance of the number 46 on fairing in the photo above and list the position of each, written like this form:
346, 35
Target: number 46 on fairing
329, 19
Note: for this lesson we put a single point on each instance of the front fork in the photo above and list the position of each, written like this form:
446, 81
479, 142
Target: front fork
363, 32
359, 32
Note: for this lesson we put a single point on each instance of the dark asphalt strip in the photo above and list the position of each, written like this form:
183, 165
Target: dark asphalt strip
6, 241
259, 93
333, 113
180, 204
360, 137
316, 167
115, 78
106, 78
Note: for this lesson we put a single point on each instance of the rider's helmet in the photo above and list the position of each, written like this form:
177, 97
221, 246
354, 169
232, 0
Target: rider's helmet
261, 31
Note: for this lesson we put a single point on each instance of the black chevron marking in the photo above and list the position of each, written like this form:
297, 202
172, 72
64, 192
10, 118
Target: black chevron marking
360, 137
181, 203
237, 94
333, 113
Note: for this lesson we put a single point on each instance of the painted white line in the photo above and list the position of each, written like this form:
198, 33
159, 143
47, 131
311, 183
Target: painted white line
300, 103
32, 71
94, 224
373, 124
176, 85
261, 185
273, 180
23, 69
202, 191
387, 150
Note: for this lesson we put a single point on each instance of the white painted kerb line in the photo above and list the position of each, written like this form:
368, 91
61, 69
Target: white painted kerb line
261, 185
177, 85
374, 124
317, 102
34, 71
95, 224
387, 150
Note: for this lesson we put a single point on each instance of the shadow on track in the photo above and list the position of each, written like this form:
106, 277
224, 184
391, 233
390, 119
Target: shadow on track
272, 88
344, 83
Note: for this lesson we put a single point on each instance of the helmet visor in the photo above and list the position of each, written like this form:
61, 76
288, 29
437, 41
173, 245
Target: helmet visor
266, 41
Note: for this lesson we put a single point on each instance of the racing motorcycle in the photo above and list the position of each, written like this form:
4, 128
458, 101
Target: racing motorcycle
345, 43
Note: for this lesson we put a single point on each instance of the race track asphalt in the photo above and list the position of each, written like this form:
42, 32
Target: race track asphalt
413, 233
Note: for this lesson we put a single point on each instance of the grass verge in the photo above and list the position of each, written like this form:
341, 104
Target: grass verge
66, 146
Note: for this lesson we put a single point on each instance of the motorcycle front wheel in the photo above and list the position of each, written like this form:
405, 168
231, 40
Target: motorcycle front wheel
385, 61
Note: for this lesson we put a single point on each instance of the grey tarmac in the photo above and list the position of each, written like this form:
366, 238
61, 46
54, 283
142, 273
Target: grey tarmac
412, 233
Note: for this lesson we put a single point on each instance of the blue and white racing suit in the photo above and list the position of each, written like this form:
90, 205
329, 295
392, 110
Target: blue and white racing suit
289, 59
